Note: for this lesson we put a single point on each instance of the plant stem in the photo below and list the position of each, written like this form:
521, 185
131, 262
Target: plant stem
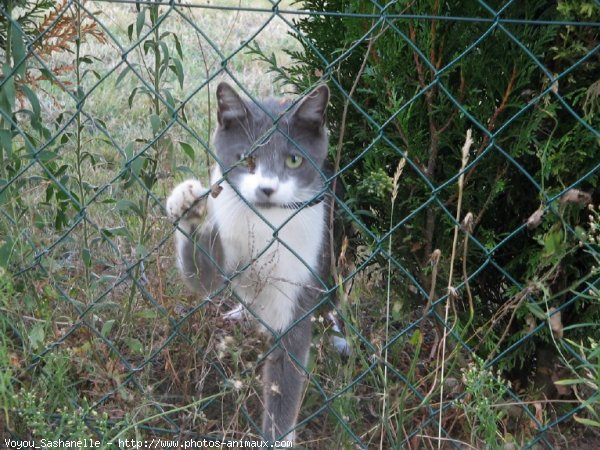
396, 180
465, 158
150, 175
79, 159
8, 57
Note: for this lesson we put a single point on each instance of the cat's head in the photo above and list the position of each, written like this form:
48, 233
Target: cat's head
267, 155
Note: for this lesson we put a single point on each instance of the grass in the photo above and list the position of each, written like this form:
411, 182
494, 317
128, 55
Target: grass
117, 340
95, 344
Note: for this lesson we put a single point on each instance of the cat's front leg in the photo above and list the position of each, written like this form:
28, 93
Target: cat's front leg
187, 203
199, 250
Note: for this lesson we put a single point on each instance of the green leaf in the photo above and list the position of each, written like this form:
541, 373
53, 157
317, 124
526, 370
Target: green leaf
177, 67
132, 97
124, 72
6, 142
580, 233
107, 327
568, 382
6, 249
553, 242
129, 150
188, 150
146, 314
416, 339
585, 421
150, 45
138, 163
155, 122
170, 151
45, 156
141, 251
87, 257
35, 105
135, 345
39, 221
97, 74
124, 206
165, 51
116, 231
169, 98
36, 336
139, 22
154, 14
185, 170
536, 310
100, 122
61, 170
8, 95
19, 52
178, 46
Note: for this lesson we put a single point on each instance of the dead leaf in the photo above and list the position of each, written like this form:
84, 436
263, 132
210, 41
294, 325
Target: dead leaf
535, 219
15, 361
555, 321
435, 257
530, 321
215, 190
468, 223
576, 196
539, 414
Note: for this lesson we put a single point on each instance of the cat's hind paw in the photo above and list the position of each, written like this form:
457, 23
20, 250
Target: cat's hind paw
187, 201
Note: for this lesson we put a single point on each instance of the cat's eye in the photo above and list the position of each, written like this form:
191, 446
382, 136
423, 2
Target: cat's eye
293, 161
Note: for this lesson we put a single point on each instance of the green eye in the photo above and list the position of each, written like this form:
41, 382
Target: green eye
294, 161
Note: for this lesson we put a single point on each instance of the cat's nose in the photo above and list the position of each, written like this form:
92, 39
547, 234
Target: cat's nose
268, 186
267, 191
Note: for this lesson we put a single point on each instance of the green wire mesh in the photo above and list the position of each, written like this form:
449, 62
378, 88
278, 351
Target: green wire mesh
85, 234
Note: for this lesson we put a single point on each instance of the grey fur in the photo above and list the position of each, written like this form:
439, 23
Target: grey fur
201, 260
284, 374
247, 138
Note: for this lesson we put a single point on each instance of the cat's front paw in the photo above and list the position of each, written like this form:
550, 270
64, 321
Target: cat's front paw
187, 201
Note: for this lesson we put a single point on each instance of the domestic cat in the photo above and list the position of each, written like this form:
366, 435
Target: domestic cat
262, 229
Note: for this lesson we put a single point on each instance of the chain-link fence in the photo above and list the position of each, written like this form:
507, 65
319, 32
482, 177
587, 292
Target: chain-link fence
461, 306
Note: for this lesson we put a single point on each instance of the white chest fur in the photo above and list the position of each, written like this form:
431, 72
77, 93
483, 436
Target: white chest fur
271, 257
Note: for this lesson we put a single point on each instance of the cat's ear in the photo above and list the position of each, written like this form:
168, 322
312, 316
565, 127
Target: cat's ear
231, 108
311, 110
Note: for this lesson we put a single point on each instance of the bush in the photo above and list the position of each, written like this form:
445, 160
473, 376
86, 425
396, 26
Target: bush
414, 86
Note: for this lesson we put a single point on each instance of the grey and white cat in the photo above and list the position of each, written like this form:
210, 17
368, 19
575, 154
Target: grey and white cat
271, 259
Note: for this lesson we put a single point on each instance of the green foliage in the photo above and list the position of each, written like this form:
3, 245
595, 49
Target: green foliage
69, 424
156, 95
483, 414
585, 380
40, 406
30, 13
584, 375
416, 86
